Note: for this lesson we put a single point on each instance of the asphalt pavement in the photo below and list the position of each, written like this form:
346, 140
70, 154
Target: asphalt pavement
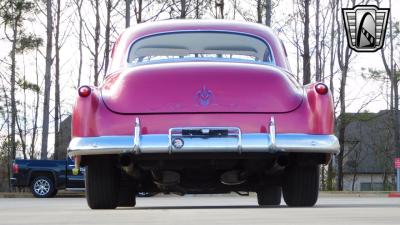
207, 209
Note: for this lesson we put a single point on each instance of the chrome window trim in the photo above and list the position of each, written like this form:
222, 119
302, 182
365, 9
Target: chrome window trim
200, 31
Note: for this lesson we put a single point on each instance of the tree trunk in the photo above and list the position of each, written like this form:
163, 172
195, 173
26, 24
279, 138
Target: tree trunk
183, 9
197, 9
12, 92
36, 113
395, 90
354, 181
96, 44
79, 6
57, 150
127, 13
107, 36
317, 50
259, 11
342, 128
343, 60
268, 12
47, 81
139, 11
221, 8
306, 53
330, 175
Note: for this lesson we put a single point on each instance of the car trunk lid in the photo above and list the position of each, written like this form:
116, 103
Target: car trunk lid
201, 87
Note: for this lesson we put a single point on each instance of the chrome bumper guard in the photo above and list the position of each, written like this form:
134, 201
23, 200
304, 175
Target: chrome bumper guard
202, 140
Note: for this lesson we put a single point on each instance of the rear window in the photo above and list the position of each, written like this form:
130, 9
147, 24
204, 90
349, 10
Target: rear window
200, 46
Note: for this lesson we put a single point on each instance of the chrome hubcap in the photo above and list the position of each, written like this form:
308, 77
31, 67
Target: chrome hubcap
41, 187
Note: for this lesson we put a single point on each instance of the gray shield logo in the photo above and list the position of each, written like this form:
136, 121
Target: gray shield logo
365, 27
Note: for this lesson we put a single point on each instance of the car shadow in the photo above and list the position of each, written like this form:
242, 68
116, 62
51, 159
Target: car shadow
262, 207
358, 206
203, 207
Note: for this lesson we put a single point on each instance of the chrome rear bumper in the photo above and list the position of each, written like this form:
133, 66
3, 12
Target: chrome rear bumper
233, 141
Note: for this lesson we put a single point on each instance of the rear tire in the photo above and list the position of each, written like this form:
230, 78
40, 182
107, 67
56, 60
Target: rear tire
102, 183
127, 199
300, 187
269, 196
127, 191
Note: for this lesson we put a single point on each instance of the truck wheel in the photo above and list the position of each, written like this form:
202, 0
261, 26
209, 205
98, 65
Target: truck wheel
300, 186
102, 183
269, 196
42, 187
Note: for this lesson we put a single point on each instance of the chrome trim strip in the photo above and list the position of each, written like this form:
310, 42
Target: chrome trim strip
170, 141
240, 145
78, 178
272, 132
249, 142
75, 189
136, 137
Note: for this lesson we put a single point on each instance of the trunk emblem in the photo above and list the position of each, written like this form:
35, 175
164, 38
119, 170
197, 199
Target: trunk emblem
204, 96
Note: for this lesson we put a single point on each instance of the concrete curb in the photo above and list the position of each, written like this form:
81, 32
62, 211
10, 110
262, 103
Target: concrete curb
60, 194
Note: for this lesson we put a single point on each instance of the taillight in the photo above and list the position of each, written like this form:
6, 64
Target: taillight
15, 168
84, 91
321, 88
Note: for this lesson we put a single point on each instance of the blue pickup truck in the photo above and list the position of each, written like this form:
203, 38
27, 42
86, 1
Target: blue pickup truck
46, 177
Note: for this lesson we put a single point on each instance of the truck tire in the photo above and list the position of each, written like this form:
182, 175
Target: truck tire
42, 187
300, 186
269, 196
102, 183
54, 193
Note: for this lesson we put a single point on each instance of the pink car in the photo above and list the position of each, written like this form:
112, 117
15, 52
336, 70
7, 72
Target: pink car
202, 107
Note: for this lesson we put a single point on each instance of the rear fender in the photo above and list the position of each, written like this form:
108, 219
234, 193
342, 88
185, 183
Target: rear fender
83, 115
321, 107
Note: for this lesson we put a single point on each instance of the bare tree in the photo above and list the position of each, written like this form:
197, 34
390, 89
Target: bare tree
343, 55
394, 83
330, 173
96, 37
259, 11
78, 4
57, 106
47, 80
13, 14
268, 12
110, 6
127, 13
138, 10
317, 50
306, 51
219, 9
36, 111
